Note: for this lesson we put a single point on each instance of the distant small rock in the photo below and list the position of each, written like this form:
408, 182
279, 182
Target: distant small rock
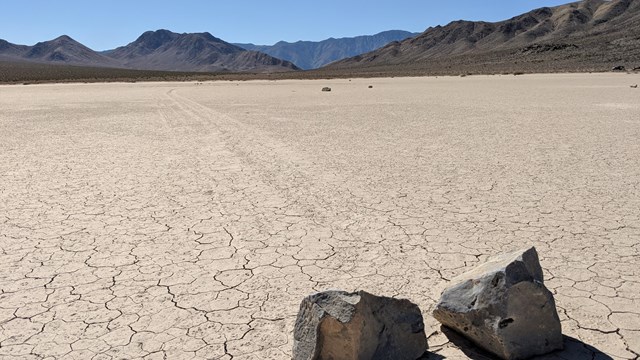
340, 325
370, 86
504, 307
618, 68
637, 68
326, 89
634, 86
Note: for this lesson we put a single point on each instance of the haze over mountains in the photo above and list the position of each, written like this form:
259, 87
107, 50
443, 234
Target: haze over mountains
315, 54
585, 33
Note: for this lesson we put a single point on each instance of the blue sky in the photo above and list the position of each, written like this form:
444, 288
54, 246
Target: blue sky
104, 24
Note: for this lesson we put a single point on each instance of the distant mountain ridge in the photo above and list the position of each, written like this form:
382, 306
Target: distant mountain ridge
596, 31
315, 54
153, 50
166, 50
62, 50
9, 50
588, 35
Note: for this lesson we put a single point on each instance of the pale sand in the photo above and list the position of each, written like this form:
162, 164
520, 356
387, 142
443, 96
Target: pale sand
186, 221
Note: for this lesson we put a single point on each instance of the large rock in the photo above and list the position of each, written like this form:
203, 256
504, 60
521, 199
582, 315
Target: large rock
339, 325
504, 307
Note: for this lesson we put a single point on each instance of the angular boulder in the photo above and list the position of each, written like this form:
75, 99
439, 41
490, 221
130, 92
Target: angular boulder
339, 325
504, 307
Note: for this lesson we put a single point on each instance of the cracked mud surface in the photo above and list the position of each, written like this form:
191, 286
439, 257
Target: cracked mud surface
177, 221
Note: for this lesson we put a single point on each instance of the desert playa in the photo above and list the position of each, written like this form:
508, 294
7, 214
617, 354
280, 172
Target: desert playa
188, 221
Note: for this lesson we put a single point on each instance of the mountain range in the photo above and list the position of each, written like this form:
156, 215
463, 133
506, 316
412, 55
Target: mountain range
63, 50
198, 52
153, 50
165, 50
316, 54
588, 35
579, 35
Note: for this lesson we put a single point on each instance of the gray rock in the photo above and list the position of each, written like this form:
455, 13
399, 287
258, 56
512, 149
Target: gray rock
339, 325
618, 68
326, 89
504, 307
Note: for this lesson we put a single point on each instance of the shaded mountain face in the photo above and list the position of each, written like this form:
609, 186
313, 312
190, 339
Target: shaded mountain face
165, 50
62, 50
590, 31
11, 51
311, 55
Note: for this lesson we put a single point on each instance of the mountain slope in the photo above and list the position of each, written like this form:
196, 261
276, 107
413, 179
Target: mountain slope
11, 51
62, 50
312, 55
165, 50
577, 36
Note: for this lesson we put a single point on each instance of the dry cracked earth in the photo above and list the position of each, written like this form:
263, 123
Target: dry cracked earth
185, 221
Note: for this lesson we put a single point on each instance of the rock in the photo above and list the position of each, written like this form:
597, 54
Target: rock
634, 86
618, 68
637, 68
504, 307
370, 86
340, 325
326, 89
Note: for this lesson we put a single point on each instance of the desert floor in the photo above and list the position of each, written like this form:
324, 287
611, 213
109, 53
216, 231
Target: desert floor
188, 221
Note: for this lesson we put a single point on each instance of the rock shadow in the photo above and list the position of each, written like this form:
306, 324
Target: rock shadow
573, 349
431, 356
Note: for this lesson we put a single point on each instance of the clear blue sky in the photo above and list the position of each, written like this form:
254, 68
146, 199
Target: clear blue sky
105, 24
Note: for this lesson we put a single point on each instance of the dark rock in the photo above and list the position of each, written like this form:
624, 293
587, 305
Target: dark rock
370, 86
504, 307
634, 86
340, 325
618, 68
327, 89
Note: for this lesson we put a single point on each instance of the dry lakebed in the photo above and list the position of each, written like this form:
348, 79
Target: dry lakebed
188, 220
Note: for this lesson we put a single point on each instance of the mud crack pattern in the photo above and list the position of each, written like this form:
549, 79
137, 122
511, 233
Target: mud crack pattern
173, 221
